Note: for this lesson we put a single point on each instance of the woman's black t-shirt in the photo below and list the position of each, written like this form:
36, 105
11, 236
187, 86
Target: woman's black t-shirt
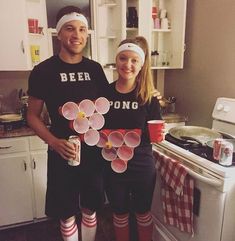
126, 113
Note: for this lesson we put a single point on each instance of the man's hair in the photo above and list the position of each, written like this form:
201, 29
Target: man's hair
66, 10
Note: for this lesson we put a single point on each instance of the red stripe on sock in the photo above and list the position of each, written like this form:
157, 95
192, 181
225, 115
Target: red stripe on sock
69, 230
89, 221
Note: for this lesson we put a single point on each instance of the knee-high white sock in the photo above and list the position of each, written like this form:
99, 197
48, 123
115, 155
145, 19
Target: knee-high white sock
69, 230
88, 227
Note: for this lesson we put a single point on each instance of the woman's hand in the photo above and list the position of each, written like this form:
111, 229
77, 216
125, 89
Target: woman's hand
157, 94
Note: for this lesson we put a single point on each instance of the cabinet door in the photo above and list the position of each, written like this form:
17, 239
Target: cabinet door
135, 17
13, 41
108, 19
168, 36
21, 50
16, 189
39, 170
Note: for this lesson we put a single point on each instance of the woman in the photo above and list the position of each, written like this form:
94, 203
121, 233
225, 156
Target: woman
133, 189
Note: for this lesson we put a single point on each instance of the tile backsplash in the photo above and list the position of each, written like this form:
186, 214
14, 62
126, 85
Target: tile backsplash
10, 84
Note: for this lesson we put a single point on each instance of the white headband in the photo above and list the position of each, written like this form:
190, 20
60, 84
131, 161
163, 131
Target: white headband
70, 17
132, 47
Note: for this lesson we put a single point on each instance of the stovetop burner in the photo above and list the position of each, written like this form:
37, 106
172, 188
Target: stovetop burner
199, 150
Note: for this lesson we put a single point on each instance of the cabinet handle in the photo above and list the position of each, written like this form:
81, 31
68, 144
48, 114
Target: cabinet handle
34, 164
25, 166
22, 46
5, 147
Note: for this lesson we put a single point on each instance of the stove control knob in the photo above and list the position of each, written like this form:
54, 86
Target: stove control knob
226, 108
220, 107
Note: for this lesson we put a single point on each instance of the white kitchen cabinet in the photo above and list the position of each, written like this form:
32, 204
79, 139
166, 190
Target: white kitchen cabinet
169, 40
23, 178
113, 25
38, 157
109, 32
16, 41
16, 189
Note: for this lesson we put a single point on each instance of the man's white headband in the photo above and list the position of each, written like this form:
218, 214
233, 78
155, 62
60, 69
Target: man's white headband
132, 47
70, 17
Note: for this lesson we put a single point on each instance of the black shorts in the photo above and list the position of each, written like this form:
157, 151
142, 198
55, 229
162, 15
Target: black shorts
92, 189
133, 189
67, 186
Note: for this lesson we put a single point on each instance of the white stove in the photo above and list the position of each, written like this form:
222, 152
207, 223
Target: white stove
215, 220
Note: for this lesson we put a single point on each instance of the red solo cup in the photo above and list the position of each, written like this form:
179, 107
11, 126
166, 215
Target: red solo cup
96, 121
81, 125
102, 105
119, 165
109, 154
103, 140
132, 138
91, 137
159, 136
33, 25
156, 130
106, 131
69, 110
125, 152
87, 106
122, 131
116, 138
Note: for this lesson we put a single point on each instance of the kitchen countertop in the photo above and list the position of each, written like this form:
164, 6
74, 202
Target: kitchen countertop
26, 131
174, 118
19, 132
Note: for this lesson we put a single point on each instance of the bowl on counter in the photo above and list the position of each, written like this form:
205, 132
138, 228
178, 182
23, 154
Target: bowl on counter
173, 120
10, 121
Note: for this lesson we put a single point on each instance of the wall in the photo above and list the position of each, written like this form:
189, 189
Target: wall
10, 84
209, 69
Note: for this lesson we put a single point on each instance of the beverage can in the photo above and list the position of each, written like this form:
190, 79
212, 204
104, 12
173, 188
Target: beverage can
217, 148
226, 156
77, 144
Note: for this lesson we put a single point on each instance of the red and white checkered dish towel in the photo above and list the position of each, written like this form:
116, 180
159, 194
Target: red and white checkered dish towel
177, 193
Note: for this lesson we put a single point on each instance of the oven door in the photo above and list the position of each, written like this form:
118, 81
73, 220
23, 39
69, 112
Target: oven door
209, 203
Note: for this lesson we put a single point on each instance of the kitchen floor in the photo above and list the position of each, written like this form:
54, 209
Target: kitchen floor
49, 230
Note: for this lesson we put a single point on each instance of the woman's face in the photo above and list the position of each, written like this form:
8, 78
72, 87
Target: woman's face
128, 64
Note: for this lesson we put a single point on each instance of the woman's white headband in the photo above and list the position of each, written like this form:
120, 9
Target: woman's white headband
132, 47
70, 17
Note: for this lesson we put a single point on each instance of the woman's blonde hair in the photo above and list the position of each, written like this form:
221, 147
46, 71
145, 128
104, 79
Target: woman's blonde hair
145, 87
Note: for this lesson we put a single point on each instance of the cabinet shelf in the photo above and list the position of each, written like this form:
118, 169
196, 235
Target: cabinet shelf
37, 35
161, 67
131, 29
109, 5
108, 37
161, 30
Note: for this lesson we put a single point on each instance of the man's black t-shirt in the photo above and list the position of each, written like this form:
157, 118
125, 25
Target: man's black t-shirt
57, 82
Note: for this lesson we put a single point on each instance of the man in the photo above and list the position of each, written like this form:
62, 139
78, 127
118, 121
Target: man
68, 76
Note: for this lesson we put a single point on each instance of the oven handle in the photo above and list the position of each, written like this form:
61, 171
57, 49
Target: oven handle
208, 180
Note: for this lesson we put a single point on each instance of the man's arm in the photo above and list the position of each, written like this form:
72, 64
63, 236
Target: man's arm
62, 146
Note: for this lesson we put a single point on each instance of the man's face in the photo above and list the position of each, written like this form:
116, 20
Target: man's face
73, 36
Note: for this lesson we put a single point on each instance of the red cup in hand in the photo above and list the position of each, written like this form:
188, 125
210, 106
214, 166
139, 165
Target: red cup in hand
156, 130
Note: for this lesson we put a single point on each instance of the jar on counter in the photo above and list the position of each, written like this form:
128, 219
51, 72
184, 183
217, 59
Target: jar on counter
171, 106
154, 58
